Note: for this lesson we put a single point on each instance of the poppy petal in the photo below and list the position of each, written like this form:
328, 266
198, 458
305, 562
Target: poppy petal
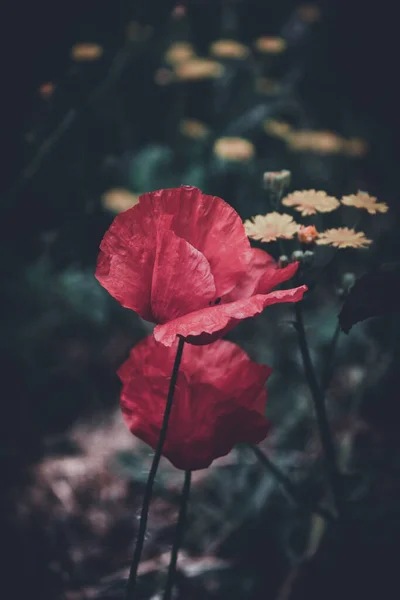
262, 276
208, 416
215, 321
274, 276
125, 263
225, 365
246, 285
182, 279
209, 224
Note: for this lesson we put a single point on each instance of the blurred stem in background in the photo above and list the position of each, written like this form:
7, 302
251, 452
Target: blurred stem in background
180, 527
152, 475
320, 411
285, 482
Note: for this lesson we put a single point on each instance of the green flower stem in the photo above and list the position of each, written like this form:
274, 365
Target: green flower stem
152, 475
178, 536
285, 482
320, 411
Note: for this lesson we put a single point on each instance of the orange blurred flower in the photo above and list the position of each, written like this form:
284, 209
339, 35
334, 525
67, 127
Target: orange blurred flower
86, 52
356, 147
118, 200
364, 200
229, 49
270, 45
163, 76
270, 227
47, 89
179, 11
234, 149
310, 13
343, 237
198, 68
309, 202
266, 85
307, 235
277, 128
322, 142
193, 128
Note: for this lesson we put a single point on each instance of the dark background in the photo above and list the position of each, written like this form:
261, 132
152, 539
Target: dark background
62, 338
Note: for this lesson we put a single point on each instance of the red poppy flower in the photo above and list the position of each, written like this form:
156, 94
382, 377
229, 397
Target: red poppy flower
182, 259
219, 399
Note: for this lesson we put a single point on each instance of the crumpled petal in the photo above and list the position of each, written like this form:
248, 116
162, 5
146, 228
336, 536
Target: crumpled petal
262, 276
125, 263
227, 367
209, 224
182, 279
143, 400
211, 412
212, 323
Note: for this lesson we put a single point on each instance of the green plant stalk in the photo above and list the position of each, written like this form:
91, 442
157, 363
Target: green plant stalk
330, 362
152, 475
320, 411
285, 482
180, 527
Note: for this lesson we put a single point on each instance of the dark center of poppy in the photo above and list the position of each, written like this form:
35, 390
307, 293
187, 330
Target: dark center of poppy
217, 301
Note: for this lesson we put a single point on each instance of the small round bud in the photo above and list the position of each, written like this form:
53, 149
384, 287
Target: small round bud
297, 255
308, 257
348, 280
277, 181
283, 261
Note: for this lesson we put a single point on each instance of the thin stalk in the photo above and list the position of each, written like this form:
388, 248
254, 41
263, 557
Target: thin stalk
285, 481
329, 366
152, 475
180, 527
320, 411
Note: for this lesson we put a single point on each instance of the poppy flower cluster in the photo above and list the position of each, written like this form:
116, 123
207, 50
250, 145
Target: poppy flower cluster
181, 259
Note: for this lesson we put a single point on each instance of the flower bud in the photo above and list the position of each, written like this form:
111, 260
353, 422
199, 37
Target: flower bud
297, 255
348, 280
277, 181
283, 261
308, 257
307, 235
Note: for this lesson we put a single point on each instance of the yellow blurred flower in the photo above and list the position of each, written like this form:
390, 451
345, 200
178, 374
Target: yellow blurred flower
364, 200
309, 202
343, 237
179, 52
193, 128
198, 68
118, 200
270, 45
278, 129
270, 227
307, 235
322, 142
234, 149
266, 85
86, 52
229, 49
